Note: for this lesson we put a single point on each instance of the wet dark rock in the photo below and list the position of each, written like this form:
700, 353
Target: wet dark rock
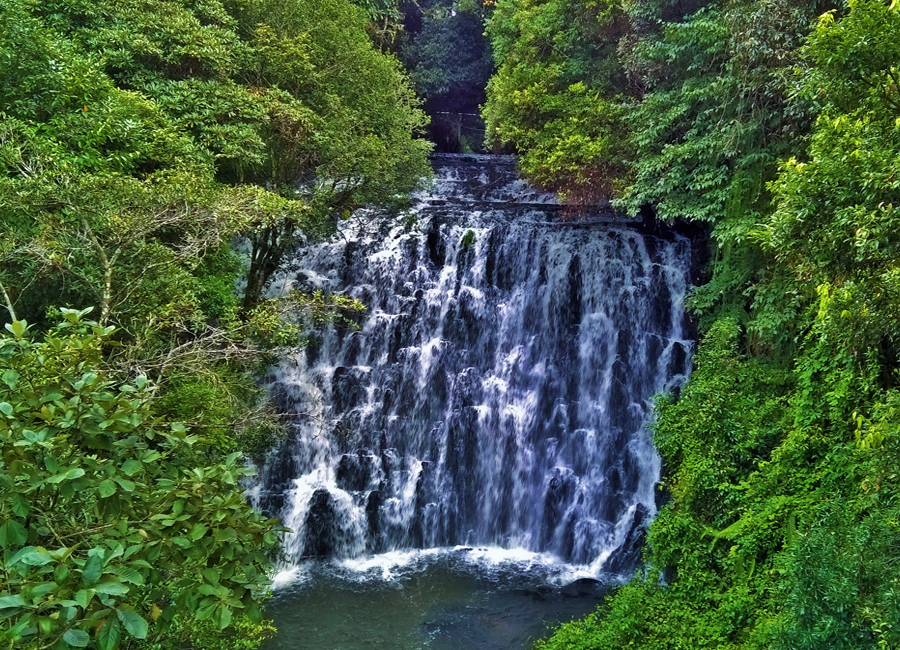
490, 262
417, 532
346, 389
348, 265
390, 464
353, 347
465, 325
312, 353
582, 587
668, 575
625, 558
556, 500
283, 470
396, 343
542, 593
573, 310
467, 388
373, 503
661, 495
437, 247
542, 267
356, 471
678, 362
320, 527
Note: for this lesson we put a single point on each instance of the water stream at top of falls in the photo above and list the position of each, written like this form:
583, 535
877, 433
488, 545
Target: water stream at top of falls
498, 394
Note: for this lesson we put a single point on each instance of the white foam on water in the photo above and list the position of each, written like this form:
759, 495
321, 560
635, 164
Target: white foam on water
485, 561
290, 576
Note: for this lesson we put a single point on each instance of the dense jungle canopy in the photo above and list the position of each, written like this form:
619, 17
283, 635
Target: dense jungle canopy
160, 158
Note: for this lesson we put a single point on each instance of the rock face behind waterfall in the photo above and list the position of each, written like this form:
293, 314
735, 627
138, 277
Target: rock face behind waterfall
498, 393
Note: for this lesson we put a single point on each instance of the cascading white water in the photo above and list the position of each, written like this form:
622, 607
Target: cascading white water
498, 393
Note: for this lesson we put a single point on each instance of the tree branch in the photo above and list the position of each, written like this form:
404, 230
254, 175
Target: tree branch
106, 296
9, 305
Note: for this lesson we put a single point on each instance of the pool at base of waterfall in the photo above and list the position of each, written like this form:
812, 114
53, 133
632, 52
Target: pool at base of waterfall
437, 599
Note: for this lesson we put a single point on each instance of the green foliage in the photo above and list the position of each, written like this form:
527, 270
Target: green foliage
110, 525
556, 94
223, 405
281, 322
244, 634
216, 276
835, 224
379, 8
678, 107
449, 51
363, 149
118, 113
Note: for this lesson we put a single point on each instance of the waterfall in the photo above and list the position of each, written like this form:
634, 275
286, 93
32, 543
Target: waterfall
499, 390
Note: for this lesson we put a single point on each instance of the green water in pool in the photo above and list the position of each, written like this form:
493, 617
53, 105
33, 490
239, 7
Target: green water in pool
441, 604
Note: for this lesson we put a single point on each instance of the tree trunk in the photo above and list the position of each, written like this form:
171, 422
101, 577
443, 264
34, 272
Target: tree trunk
269, 248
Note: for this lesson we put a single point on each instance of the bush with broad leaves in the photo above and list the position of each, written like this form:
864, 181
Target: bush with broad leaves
110, 522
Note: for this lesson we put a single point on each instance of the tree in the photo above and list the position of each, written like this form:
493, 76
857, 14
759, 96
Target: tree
558, 92
449, 59
361, 149
290, 98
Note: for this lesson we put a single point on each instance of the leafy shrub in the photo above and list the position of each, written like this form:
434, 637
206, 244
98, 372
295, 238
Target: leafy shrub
109, 527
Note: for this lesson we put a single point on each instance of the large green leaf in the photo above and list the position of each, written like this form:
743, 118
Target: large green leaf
10, 378
83, 597
76, 638
106, 488
7, 602
111, 588
128, 574
131, 467
109, 635
68, 475
198, 530
12, 533
32, 556
21, 506
134, 623
93, 568
17, 328
212, 575
125, 484
222, 616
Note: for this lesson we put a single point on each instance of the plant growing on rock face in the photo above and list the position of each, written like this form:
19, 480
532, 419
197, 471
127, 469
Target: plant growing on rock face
111, 521
282, 321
